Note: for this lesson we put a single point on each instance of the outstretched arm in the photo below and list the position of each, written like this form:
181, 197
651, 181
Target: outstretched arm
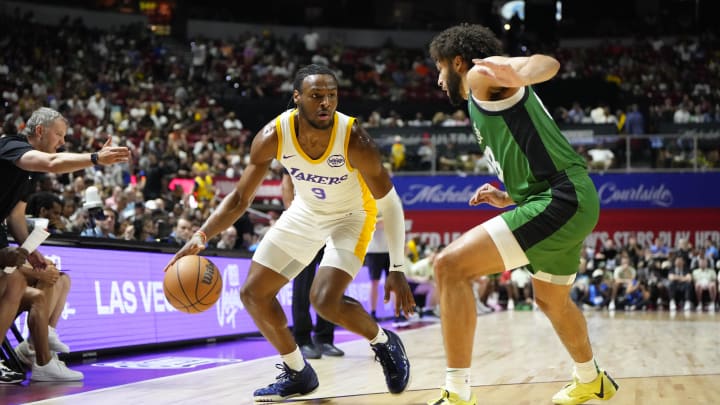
512, 72
499, 77
66, 162
262, 152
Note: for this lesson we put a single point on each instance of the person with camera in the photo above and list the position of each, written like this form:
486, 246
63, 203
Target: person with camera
100, 221
37, 150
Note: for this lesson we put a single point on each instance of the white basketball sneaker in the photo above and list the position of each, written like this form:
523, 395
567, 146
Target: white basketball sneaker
25, 354
55, 370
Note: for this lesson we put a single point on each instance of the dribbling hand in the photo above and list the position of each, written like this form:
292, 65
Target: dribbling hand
195, 245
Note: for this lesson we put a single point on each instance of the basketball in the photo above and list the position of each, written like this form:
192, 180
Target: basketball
192, 284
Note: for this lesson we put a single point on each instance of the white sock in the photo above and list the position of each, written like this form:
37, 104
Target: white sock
381, 337
457, 380
294, 360
587, 372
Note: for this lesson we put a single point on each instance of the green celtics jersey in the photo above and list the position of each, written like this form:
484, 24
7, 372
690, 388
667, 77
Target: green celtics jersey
523, 144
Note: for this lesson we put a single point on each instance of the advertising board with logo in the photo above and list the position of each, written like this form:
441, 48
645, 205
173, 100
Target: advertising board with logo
646, 205
665, 205
616, 191
117, 300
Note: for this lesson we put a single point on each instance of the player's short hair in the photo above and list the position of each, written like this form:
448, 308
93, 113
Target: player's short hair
310, 70
43, 116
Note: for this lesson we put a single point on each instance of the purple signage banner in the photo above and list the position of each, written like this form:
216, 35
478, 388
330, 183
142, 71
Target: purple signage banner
117, 300
636, 190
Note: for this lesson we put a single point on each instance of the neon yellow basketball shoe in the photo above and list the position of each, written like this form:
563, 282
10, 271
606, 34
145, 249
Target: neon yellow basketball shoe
603, 388
451, 398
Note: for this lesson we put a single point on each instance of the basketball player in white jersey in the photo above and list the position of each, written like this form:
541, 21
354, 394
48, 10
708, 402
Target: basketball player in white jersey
340, 184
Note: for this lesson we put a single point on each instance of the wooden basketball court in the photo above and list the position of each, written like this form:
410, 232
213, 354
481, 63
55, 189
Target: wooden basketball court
656, 357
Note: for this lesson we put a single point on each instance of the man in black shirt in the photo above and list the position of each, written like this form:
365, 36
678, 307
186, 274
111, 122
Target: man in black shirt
36, 151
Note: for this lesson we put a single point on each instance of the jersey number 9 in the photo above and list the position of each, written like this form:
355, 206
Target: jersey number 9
319, 193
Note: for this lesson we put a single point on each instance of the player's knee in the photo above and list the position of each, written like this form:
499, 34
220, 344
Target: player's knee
248, 296
323, 304
324, 308
15, 286
17, 280
35, 297
554, 306
66, 280
63, 283
441, 265
446, 268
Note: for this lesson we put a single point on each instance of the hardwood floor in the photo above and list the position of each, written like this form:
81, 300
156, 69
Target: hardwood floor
656, 357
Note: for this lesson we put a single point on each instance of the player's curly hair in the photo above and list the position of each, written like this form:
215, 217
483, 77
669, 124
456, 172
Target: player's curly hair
467, 41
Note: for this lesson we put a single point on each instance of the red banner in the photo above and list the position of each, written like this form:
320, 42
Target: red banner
269, 189
697, 225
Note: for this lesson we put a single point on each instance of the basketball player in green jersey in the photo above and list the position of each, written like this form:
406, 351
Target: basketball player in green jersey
553, 207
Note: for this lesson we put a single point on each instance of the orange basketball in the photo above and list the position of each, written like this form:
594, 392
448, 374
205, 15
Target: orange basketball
193, 284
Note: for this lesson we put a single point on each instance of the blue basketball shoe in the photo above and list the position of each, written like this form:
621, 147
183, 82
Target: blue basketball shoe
288, 384
394, 361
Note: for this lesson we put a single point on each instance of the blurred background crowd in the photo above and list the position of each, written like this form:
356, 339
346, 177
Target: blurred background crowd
185, 107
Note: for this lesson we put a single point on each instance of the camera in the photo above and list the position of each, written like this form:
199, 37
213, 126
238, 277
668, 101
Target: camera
93, 204
96, 213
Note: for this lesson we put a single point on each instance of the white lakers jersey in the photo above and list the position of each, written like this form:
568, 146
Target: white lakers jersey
327, 185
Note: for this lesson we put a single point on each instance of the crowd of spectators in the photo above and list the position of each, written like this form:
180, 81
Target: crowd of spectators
634, 276
649, 276
676, 80
162, 99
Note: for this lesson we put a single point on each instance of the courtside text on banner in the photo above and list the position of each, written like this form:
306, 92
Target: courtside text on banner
616, 191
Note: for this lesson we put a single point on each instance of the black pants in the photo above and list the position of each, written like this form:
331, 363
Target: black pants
302, 321
681, 289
